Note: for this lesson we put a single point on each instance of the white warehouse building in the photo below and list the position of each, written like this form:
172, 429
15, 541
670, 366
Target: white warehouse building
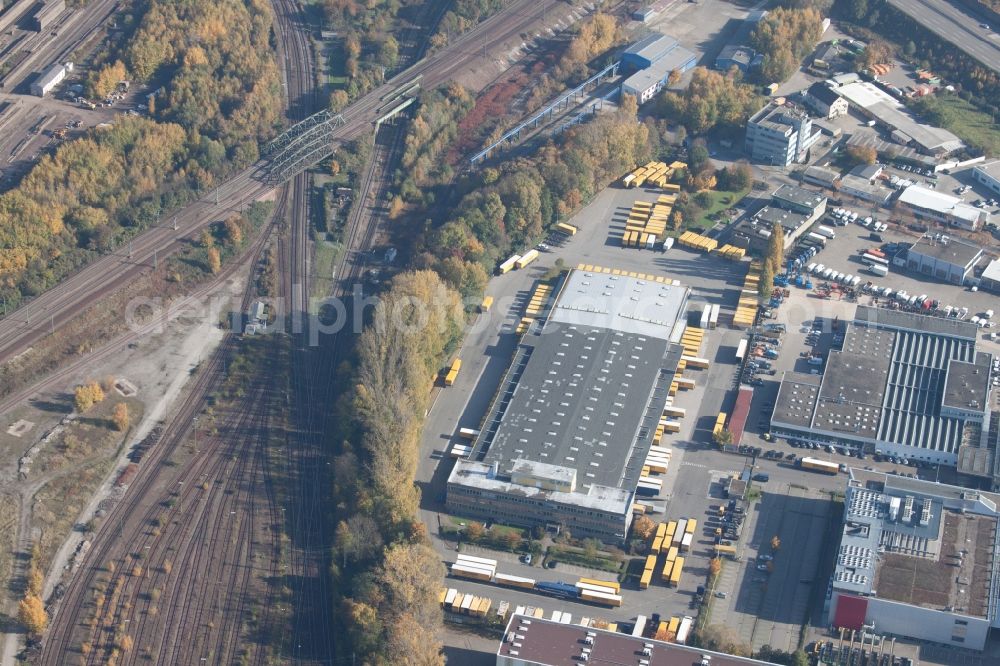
917, 559
48, 80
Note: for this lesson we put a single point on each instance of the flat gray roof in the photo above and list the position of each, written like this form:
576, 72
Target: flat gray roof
796, 399
789, 220
954, 251
968, 384
579, 403
990, 168
799, 196
853, 386
888, 383
897, 319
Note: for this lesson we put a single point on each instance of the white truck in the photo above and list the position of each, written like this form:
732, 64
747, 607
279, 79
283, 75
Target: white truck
823, 230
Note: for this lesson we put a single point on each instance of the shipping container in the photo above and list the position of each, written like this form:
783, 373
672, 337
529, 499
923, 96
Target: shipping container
713, 319
514, 581
817, 465
471, 559
684, 630
475, 573
741, 350
726, 551
813, 236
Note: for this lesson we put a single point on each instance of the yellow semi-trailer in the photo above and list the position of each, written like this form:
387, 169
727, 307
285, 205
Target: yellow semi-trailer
602, 583
486, 304
566, 228
509, 264
645, 579
675, 574
526, 258
668, 567
692, 525
474, 573
602, 598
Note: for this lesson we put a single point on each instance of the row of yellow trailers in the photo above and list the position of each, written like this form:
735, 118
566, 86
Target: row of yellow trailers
591, 268
672, 538
536, 304
464, 604
657, 174
697, 241
517, 261
647, 221
746, 309
731, 252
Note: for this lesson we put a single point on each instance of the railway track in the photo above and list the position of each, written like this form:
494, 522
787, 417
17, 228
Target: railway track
65, 301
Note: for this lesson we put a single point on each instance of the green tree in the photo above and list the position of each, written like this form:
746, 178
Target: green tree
723, 437
800, 658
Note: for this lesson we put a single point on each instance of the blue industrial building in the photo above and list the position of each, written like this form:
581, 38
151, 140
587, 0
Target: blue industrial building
652, 59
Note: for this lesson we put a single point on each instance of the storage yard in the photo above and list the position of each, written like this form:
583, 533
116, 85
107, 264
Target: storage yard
733, 390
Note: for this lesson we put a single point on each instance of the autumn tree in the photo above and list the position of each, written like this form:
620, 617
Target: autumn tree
120, 417
214, 260
711, 99
859, 154
785, 36
775, 542
736, 177
776, 249
358, 538
32, 615
715, 566
643, 527
105, 81
87, 395
723, 437
233, 226
722, 638
877, 52
766, 284
474, 530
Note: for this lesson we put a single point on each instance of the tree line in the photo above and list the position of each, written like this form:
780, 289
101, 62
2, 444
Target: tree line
876, 19
219, 95
386, 574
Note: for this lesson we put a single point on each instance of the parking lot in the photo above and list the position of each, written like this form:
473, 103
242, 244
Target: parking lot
768, 592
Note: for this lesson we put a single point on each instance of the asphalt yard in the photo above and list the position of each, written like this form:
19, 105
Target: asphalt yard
767, 601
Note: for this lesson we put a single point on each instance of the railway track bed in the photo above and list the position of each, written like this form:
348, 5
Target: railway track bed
189, 566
